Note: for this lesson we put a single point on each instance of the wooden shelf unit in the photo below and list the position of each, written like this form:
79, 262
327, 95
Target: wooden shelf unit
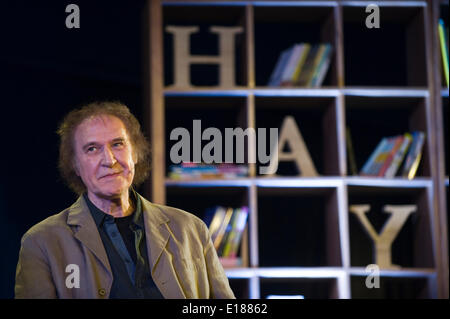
407, 96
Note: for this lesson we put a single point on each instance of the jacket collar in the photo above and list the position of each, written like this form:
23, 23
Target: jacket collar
156, 230
86, 230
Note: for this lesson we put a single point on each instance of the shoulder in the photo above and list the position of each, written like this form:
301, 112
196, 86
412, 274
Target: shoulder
175, 217
180, 216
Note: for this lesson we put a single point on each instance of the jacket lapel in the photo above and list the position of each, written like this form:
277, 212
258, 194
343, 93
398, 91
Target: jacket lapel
158, 234
87, 232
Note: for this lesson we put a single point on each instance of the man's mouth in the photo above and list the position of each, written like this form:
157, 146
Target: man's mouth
111, 175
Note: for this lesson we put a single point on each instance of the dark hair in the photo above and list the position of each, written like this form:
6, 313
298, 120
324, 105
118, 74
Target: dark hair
74, 118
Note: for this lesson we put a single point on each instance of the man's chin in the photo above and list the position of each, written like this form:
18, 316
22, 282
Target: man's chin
112, 193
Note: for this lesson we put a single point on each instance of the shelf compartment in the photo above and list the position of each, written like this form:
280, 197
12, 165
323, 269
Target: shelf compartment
204, 42
217, 112
309, 288
317, 120
412, 248
298, 227
372, 118
393, 55
393, 288
311, 24
197, 199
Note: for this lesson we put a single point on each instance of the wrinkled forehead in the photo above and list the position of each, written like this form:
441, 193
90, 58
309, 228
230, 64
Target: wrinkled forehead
101, 129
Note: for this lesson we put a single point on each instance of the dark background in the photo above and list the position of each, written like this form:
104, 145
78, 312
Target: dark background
47, 70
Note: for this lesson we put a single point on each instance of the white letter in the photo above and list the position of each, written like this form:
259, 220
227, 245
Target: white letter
73, 19
374, 273
383, 241
215, 145
184, 144
374, 16
73, 280
182, 59
240, 146
299, 153
273, 151
197, 141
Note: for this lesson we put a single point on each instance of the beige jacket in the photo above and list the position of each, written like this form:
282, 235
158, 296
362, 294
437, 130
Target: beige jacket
182, 258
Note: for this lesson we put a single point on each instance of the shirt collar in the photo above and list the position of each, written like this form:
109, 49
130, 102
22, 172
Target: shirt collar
101, 217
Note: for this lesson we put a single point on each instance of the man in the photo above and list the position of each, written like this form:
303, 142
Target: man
112, 242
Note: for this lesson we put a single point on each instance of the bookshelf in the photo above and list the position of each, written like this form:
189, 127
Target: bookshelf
301, 238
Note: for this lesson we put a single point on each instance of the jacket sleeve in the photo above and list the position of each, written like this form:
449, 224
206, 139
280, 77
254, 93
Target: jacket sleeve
33, 277
218, 280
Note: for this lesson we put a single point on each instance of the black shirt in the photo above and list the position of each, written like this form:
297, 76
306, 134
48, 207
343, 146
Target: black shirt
125, 245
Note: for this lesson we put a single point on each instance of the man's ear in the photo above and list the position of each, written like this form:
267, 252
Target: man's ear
135, 157
75, 166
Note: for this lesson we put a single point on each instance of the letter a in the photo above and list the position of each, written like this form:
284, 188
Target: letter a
73, 19
373, 19
73, 280
299, 153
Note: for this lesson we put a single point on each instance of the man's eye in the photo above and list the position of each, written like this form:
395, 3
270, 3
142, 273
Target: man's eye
117, 144
91, 149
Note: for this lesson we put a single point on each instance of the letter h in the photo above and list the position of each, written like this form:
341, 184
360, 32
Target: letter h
183, 59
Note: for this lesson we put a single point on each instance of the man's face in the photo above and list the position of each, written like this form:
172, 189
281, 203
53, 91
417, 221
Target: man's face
104, 156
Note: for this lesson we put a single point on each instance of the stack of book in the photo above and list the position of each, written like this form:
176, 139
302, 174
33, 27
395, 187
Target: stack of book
303, 64
391, 152
186, 171
443, 39
226, 226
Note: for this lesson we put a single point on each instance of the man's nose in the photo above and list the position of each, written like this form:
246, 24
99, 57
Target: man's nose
108, 157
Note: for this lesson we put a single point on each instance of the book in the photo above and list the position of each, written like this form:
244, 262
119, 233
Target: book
414, 155
444, 49
396, 143
290, 66
322, 68
228, 233
222, 229
216, 221
368, 167
186, 171
275, 78
301, 62
232, 246
308, 67
399, 156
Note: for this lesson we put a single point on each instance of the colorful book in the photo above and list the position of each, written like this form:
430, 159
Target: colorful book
308, 67
444, 49
396, 143
322, 68
232, 246
320, 53
414, 155
223, 227
399, 156
216, 221
368, 167
275, 78
289, 69
228, 232
301, 62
